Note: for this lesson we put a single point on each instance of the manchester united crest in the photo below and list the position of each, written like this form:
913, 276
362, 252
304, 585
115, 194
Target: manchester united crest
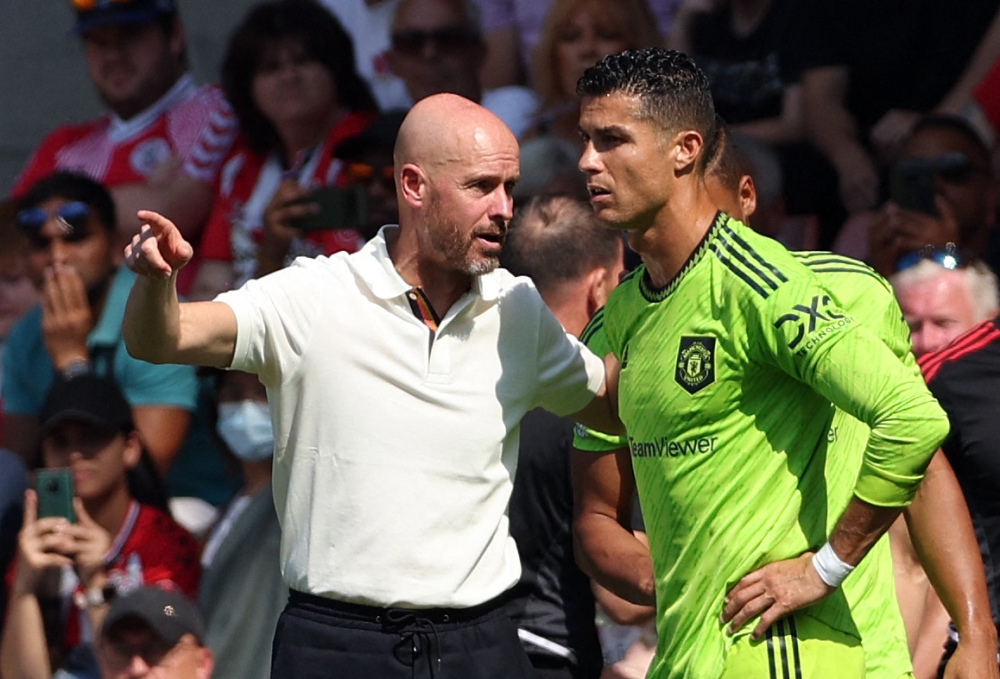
695, 363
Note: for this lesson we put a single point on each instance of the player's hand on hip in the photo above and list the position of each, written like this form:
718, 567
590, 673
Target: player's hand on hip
772, 592
159, 249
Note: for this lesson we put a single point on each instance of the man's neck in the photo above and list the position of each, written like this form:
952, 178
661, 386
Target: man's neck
303, 136
676, 232
441, 286
110, 511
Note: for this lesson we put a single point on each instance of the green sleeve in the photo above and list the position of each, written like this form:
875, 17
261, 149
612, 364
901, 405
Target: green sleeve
584, 438
803, 332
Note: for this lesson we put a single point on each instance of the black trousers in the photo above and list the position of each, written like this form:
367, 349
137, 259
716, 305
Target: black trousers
318, 638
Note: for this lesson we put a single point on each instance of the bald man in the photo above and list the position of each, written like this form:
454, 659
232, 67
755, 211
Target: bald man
397, 378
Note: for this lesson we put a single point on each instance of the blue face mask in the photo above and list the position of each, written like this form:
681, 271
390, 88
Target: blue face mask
245, 426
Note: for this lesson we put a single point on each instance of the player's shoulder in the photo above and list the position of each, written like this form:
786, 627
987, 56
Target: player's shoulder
757, 266
841, 268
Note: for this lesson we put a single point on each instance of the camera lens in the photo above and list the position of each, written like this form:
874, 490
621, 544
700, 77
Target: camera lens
53, 486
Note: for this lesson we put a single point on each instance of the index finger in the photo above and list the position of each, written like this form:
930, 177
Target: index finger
30, 508
160, 224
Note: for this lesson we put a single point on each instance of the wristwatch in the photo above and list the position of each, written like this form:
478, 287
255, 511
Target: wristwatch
95, 596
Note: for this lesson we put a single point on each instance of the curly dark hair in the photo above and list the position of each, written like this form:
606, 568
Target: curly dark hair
323, 39
672, 90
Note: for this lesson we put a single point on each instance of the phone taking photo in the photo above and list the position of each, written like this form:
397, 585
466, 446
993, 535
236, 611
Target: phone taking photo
340, 207
911, 187
55, 493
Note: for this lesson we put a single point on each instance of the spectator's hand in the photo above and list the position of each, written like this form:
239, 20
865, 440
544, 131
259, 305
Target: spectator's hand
774, 591
897, 231
288, 203
892, 129
857, 180
42, 543
973, 661
66, 315
159, 249
90, 547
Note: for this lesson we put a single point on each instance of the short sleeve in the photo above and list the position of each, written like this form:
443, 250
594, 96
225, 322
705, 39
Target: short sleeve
585, 438
275, 320
569, 374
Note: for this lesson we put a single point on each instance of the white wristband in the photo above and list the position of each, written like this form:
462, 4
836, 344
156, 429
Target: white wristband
831, 569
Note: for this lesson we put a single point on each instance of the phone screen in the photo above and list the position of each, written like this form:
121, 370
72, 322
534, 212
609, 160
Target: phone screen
55, 493
340, 207
913, 189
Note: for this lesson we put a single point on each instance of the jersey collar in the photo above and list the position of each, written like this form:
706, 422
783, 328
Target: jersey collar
120, 130
654, 294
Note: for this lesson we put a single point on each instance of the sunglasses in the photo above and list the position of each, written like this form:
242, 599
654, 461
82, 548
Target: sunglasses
72, 217
365, 174
956, 167
450, 40
948, 257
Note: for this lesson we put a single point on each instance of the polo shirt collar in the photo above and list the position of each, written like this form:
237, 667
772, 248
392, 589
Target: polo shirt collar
373, 264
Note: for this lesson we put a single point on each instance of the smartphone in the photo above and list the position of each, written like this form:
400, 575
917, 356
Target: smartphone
55, 493
340, 207
912, 188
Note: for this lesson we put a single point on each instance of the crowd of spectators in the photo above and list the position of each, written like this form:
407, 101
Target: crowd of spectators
868, 127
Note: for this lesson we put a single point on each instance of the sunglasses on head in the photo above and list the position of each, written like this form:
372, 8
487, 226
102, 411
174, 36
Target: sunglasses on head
72, 217
452, 39
948, 257
956, 167
363, 173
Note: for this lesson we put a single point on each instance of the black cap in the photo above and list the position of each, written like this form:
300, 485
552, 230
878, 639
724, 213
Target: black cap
96, 13
86, 398
169, 614
379, 136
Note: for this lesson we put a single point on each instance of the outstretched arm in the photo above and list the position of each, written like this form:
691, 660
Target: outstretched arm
157, 327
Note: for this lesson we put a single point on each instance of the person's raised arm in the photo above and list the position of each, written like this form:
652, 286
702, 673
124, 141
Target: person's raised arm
945, 541
158, 328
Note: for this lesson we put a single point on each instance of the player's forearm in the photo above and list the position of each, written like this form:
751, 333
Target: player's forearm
859, 528
614, 558
151, 326
945, 541
23, 650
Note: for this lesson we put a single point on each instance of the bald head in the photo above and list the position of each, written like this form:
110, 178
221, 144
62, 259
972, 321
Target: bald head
457, 165
446, 127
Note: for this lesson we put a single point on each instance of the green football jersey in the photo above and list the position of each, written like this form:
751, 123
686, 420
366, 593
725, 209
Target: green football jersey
728, 384
871, 588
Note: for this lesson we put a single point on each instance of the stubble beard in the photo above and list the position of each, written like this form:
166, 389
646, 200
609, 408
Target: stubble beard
457, 251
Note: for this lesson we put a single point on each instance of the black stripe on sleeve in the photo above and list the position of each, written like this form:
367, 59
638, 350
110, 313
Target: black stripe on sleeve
770, 654
739, 272
753, 253
747, 263
795, 647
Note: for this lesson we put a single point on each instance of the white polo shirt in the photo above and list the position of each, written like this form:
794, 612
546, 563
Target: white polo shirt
395, 451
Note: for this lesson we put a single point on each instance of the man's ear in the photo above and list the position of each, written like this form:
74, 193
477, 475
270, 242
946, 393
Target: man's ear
689, 145
133, 449
413, 185
748, 196
599, 287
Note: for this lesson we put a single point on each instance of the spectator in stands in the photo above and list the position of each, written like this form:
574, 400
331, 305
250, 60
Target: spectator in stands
153, 632
955, 161
369, 23
146, 148
861, 94
113, 545
242, 593
549, 168
513, 29
575, 264
942, 297
578, 33
437, 47
289, 74
18, 293
368, 163
74, 256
